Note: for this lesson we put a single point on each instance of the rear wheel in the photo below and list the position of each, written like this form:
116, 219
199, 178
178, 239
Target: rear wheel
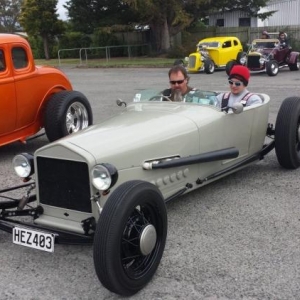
272, 68
287, 133
130, 237
209, 66
295, 66
67, 112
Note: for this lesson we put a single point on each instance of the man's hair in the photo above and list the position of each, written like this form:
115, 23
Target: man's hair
178, 68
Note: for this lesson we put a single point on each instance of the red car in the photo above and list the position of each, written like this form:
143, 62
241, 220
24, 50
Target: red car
35, 97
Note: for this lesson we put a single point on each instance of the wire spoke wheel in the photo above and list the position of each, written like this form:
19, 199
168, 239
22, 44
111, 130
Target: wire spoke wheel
130, 237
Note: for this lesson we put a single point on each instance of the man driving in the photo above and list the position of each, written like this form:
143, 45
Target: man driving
179, 87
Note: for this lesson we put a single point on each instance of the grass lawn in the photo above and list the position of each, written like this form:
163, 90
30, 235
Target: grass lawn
150, 62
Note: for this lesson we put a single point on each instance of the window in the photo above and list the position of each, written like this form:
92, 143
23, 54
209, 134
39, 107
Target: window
220, 22
244, 22
226, 44
2, 61
19, 57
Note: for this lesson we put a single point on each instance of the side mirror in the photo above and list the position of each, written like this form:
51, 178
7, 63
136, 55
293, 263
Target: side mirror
120, 102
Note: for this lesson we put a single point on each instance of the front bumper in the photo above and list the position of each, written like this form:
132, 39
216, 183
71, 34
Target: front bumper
61, 236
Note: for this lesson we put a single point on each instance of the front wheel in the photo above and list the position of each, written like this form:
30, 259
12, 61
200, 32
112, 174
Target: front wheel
178, 62
130, 237
209, 66
287, 133
272, 68
230, 65
67, 112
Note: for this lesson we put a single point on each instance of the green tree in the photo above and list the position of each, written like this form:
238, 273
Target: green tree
39, 18
169, 17
165, 17
9, 14
87, 15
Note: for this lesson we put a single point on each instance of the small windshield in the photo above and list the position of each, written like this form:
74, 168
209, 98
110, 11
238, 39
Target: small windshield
195, 96
201, 97
265, 43
209, 44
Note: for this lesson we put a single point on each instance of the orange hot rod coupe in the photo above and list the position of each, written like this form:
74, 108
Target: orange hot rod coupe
35, 97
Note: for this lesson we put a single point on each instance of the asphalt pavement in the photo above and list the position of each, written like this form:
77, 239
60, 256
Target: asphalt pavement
237, 238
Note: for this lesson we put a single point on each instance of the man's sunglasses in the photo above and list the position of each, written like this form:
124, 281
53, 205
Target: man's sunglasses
236, 83
177, 81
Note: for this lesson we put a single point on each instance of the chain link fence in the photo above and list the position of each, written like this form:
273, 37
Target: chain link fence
83, 57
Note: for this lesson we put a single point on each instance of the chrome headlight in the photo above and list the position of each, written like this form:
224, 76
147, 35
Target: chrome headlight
23, 165
262, 60
104, 176
243, 60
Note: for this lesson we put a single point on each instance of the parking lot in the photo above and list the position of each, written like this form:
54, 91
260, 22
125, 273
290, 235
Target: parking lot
237, 238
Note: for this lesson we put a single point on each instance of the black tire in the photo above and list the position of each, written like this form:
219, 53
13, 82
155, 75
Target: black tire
178, 62
295, 66
229, 66
272, 68
67, 112
134, 211
209, 66
287, 133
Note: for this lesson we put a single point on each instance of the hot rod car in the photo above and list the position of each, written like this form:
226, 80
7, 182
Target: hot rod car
267, 55
109, 183
213, 53
35, 97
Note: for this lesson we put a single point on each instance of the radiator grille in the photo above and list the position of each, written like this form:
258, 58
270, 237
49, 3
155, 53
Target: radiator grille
64, 183
192, 61
253, 61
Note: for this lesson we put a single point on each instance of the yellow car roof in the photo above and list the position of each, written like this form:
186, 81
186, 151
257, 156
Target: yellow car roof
218, 39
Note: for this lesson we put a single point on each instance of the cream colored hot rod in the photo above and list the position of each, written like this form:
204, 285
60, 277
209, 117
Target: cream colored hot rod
109, 184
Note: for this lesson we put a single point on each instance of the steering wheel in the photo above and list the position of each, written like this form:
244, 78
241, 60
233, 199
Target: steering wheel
160, 96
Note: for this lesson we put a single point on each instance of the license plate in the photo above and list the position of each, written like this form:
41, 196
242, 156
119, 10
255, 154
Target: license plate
33, 239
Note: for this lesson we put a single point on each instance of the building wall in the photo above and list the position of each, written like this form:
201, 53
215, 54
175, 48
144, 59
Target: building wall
231, 19
287, 13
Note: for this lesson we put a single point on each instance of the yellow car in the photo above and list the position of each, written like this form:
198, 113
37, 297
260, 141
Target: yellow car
214, 52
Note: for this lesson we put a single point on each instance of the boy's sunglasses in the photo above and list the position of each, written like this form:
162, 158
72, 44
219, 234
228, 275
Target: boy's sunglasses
236, 83
177, 81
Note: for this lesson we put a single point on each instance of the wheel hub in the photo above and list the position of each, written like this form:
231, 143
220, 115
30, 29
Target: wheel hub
148, 239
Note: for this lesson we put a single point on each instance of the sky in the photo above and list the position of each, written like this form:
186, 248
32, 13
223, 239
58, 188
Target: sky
60, 10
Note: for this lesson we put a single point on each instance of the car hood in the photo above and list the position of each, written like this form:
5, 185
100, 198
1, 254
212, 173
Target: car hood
143, 131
